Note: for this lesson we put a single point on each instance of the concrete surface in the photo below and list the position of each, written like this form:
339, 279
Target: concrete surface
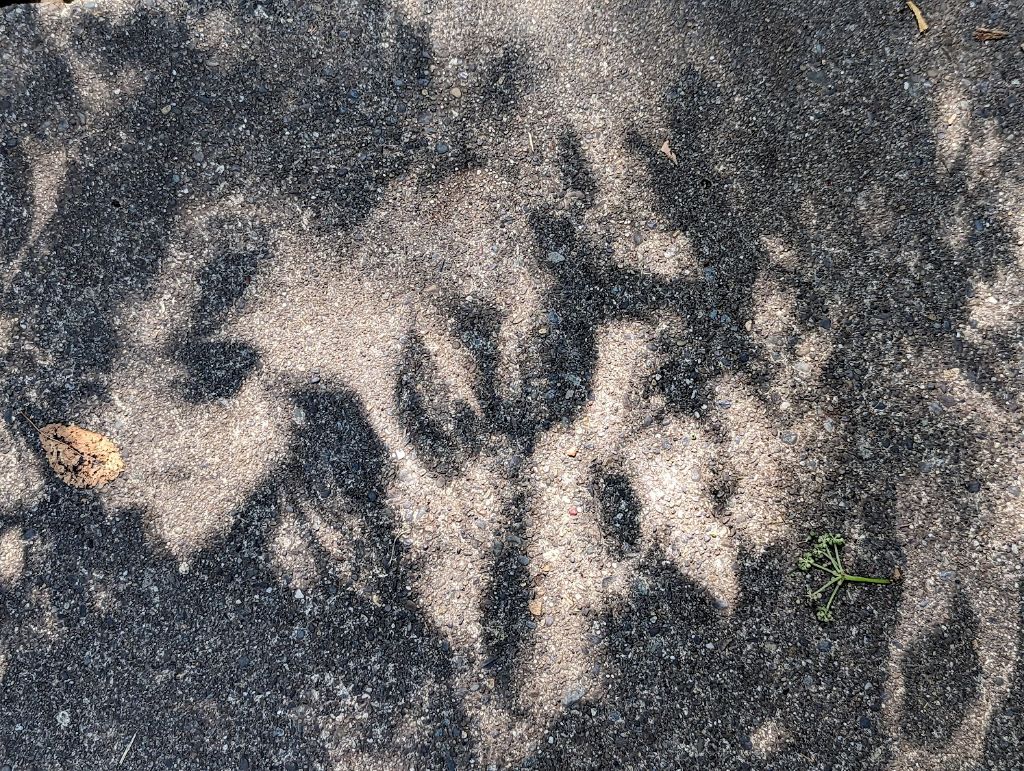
468, 424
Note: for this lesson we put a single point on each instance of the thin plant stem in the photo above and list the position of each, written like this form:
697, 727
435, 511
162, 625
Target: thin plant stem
865, 580
839, 560
827, 584
828, 607
835, 563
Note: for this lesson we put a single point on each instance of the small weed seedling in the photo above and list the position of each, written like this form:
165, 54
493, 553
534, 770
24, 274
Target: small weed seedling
824, 556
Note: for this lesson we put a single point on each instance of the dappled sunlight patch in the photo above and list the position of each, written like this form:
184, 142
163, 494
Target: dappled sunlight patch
427, 507
622, 363
987, 148
952, 125
21, 476
770, 738
780, 253
756, 504
668, 255
49, 169
217, 32
12, 556
570, 567
774, 317
291, 553
996, 306
337, 329
192, 466
675, 471
812, 353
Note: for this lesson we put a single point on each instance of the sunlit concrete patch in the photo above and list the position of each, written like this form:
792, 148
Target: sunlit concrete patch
21, 475
770, 737
997, 305
669, 255
952, 119
49, 169
758, 468
986, 149
191, 466
674, 468
341, 329
780, 253
467, 241
429, 509
290, 546
12, 557
773, 320
217, 32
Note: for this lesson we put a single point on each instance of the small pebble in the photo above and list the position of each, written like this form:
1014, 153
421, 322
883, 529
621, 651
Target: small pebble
457, 92
572, 695
974, 486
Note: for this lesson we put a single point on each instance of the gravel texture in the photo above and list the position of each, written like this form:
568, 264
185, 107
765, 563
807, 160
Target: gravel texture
482, 369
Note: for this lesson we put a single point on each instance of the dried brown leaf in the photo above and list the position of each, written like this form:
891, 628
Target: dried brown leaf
667, 152
922, 25
989, 33
81, 458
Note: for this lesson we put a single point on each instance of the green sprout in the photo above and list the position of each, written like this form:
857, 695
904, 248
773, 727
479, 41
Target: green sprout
824, 556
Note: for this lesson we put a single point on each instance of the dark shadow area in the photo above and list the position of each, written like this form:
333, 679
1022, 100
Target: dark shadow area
942, 675
507, 624
619, 509
444, 430
217, 368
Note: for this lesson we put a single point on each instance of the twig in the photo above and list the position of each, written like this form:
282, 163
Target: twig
127, 749
30, 421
